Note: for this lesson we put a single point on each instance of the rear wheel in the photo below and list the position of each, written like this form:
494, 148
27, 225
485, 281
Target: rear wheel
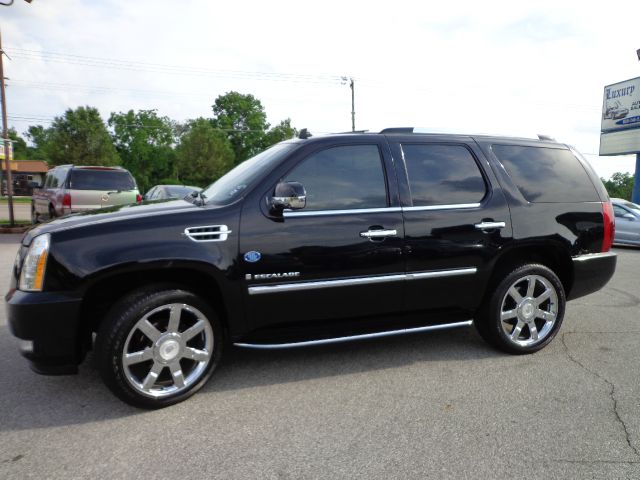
525, 311
52, 212
34, 214
158, 347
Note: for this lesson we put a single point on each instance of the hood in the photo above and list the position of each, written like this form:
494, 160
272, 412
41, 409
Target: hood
110, 214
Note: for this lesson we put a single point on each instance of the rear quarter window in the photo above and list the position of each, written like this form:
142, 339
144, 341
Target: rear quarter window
546, 175
101, 180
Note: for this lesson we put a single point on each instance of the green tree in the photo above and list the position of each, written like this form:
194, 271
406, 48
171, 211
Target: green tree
79, 137
243, 119
282, 131
203, 155
144, 142
20, 149
620, 185
40, 138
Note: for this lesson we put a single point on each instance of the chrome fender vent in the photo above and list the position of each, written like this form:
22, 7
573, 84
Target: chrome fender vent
208, 233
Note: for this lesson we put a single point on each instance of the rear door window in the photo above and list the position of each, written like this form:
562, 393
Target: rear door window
101, 180
443, 175
344, 177
546, 175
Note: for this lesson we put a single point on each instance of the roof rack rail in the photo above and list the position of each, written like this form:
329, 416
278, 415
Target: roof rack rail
304, 134
397, 130
546, 137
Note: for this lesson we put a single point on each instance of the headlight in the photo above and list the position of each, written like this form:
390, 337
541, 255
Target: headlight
35, 264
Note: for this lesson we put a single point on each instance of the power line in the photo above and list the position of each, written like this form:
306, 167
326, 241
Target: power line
99, 62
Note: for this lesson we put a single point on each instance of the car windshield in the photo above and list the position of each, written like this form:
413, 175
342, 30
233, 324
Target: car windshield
90, 179
180, 191
632, 206
229, 187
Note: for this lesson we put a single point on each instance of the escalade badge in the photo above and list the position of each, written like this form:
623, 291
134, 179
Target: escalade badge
252, 256
266, 276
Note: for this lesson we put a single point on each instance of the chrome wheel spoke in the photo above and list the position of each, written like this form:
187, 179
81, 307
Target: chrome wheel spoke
138, 357
176, 373
195, 354
533, 331
544, 296
547, 316
531, 286
152, 376
515, 333
174, 317
513, 292
149, 330
191, 332
508, 315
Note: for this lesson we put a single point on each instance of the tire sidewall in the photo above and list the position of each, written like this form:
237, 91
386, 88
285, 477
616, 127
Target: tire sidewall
116, 327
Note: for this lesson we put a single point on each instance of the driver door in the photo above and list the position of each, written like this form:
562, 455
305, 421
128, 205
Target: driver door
337, 259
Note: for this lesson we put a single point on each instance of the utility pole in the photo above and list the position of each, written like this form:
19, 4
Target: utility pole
353, 106
5, 136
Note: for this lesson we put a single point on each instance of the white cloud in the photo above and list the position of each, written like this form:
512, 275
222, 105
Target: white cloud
494, 66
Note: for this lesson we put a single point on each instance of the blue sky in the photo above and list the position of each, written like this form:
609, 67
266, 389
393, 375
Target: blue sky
518, 68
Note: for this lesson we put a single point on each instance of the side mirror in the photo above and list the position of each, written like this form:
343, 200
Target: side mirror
629, 216
289, 195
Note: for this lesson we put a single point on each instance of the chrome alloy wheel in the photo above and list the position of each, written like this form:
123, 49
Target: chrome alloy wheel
167, 350
529, 310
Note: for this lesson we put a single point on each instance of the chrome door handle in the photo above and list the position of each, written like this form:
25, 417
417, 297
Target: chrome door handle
379, 233
489, 225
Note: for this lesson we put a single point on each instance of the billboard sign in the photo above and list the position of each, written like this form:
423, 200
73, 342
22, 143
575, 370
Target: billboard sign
620, 123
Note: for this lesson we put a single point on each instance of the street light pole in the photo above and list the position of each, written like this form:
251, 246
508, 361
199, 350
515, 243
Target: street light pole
5, 136
353, 107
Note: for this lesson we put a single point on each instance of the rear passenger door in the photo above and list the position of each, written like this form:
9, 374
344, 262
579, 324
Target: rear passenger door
456, 218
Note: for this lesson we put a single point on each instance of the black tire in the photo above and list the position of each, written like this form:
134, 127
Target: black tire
120, 329
537, 316
34, 215
52, 212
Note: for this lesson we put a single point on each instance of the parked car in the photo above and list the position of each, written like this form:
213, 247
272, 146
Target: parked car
163, 192
70, 189
627, 222
317, 240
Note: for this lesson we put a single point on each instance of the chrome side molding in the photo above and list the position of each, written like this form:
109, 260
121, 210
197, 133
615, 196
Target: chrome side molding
347, 282
352, 338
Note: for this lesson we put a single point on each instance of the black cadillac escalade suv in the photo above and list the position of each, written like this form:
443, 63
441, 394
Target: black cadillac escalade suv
317, 240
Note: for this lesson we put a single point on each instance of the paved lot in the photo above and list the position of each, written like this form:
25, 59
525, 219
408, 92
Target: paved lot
440, 405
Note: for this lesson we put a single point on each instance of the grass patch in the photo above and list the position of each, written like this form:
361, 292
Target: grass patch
4, 222
5, 200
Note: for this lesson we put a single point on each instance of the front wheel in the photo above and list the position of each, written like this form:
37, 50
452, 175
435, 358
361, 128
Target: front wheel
157, 347
525, 311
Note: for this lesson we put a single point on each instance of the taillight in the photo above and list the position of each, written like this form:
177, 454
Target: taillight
138, 198
66, 201
609, 226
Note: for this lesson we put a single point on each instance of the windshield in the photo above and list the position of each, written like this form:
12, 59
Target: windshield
631, 205
180, 191
230, 186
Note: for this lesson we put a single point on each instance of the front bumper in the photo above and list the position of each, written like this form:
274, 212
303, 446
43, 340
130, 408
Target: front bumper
47, 325
591, 272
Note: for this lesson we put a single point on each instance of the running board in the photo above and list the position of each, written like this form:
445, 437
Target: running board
328, 341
